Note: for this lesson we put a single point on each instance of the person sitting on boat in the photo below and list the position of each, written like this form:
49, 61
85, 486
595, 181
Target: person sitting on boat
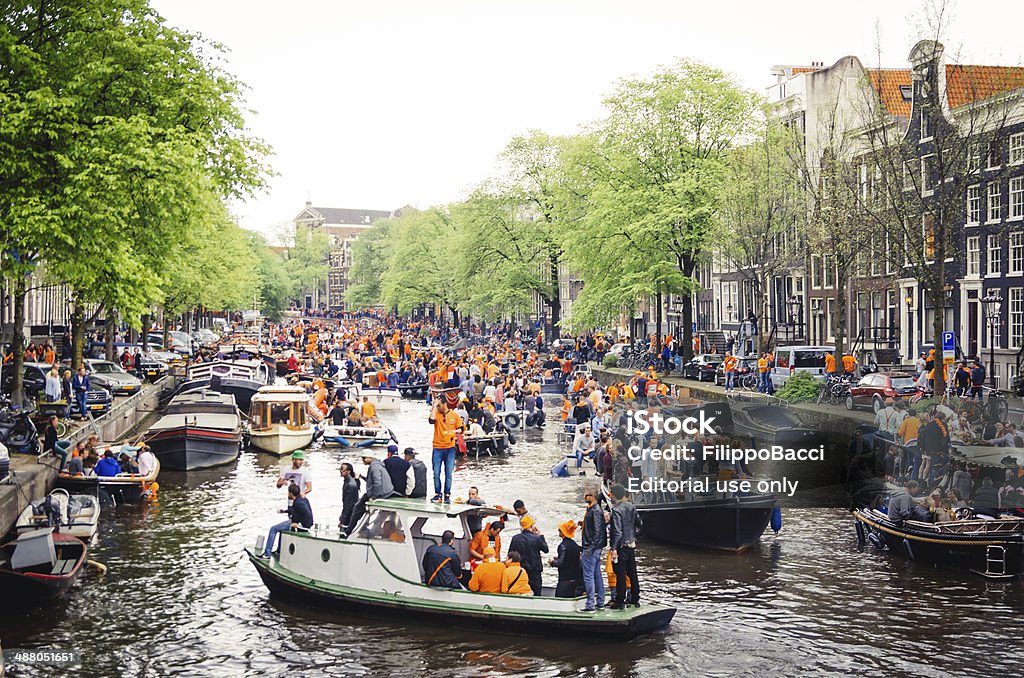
567, 560
515, 580
108, 466
488, 574
146, 461
483, 539
300, 517
530, 543
582, 445
297, 473
128, 465
368, 409
903, 506
986, 498
441, 564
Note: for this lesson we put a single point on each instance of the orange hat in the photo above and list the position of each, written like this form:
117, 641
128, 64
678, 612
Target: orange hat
567, 529
527, 522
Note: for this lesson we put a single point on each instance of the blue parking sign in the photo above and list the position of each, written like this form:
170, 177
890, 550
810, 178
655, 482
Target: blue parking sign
949, 341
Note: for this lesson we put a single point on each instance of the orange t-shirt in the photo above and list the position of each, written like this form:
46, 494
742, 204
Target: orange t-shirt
487, 577
515, 573
481, 541
849, 363
445, 427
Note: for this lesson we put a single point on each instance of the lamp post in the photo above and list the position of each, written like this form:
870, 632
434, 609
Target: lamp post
795, 304
993, 304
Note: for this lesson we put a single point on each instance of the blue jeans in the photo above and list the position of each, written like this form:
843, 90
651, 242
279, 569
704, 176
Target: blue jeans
446, 457
272, 537
730, 378
80, 400
593, 578
764, 382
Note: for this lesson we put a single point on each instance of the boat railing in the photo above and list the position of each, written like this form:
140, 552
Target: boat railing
970, 526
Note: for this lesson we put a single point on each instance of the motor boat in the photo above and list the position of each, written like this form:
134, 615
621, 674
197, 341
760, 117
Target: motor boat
241, 378
355, 436
198, 430
39, 566
383, 399
125, 488
279, 419
378, 569
77, 515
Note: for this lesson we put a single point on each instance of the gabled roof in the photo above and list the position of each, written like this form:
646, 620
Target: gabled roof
341, 215
965, 84
887, 82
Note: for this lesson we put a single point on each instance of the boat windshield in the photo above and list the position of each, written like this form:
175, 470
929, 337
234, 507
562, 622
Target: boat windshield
384, 525
106, 368
280, 413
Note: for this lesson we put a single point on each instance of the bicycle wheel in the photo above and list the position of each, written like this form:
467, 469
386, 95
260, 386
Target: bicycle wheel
63, 428
998, 407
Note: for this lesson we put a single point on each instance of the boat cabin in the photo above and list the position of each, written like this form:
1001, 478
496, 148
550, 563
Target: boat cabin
279, 406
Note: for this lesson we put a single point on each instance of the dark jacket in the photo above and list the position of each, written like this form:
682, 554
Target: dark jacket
378, 481
568, 560
443, 560
397, 468
419, 471
623, 529
530, 546
49, 439
301, 512
986, 498
349, 498
595, 529
932, 438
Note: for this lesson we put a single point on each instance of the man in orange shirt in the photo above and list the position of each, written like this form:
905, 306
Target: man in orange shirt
488, 574
849, 364
446, 425
729, 367
482, 541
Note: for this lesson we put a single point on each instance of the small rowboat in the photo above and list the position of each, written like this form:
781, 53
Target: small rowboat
77, 515
490, 444
123, 488
356, 436
414, 390
40, 566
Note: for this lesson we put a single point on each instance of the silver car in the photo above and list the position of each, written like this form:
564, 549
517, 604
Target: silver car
112, 377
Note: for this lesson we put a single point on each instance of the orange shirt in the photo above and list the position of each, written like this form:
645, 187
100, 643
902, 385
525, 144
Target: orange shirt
445, 427
613, 393
849, 363
368, 409
487, 577
730, 364
515, 573
481, 541
909, 428
762, 365
830, 363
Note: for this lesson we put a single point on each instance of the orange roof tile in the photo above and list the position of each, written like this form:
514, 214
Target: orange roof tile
966, 84
802, 69
887, 83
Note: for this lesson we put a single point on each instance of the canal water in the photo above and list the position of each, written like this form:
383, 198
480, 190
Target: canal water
180, 598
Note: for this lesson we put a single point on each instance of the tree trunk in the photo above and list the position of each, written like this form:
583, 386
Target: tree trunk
657, 322
147, 324
108, 330
555, 303
841, 308
18, 342
77, 335
167, 330
686, 333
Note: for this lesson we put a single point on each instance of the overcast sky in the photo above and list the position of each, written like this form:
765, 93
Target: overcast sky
382, 103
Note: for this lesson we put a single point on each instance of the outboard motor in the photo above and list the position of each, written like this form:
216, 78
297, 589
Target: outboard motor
18, 432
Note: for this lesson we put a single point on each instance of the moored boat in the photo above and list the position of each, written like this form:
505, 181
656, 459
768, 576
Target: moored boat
123, 488
239, 378
197, 430
490, 444
414, 390
383, 399
39, 566
355, 436
378, 569
77, 515
279, 420
990, 547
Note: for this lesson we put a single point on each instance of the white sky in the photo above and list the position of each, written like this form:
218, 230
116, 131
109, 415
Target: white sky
382, 103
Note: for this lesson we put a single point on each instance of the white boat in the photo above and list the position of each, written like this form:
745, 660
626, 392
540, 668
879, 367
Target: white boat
75, 514
279, 422
383, 399
355, 436
379, 569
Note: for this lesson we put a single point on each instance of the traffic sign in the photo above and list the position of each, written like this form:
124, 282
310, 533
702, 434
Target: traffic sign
948, 348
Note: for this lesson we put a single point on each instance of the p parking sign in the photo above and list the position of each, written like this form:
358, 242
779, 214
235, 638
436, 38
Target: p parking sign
948, 348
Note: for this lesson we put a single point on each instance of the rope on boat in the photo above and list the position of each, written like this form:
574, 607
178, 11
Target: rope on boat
98, 566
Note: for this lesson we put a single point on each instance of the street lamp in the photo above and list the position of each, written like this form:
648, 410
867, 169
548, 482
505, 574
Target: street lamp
793, 304
728, 311
909, 299
993, 304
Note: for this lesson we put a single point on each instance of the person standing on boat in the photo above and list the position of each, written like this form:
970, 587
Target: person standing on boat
441, 564
300, 517
595, 538
349, 495
378, 486
297, 473
446, 425
622, 541
567, 561
146, 461
416, 486
398, 470
530, 543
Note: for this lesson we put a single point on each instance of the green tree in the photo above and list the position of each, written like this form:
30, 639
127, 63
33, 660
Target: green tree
307, 262
371, 254
423, 268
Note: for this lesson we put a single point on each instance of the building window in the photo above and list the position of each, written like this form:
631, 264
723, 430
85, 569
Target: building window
816, 272
992, 158
864, 187
1017, 148
973, 204
876, 258
829, 264
926, 126
973, 163
928, 236
994, 256
1016, 316
995, 202
974, 256
927, 174
1017, 252
1016, 198
908, 177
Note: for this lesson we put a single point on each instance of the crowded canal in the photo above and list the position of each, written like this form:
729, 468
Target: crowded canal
180, 597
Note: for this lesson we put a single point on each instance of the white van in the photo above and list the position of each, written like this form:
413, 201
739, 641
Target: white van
792, 359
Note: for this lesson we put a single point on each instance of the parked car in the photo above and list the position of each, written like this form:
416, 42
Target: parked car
174, 343
98, 399
150, 366
792, 359
702, 367
205, 336
873, 389
112, 377
744, 366
618, 349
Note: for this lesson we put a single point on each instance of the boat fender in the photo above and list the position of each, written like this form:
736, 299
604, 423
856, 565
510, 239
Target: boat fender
317, 434
512, 420
777, 519
910, 551
561, 469
98, 566
511, 438
859, 527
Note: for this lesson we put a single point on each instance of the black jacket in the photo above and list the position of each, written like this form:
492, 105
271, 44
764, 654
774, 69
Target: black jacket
349, 498
419, 471
529, 546
568, 559
595, 530
623, 529
397, 468
301, 512
444, 561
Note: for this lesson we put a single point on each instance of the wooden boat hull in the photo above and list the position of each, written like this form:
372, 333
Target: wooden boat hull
23, 589
955, 551
190, 448
281, 440
604, 625
733, 524
84, 518
121, 489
